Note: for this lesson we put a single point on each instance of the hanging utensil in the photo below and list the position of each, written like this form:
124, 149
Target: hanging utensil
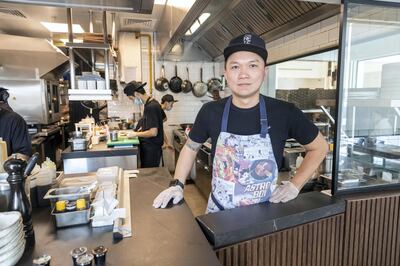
200, 88
175, 84
162, 83
187, 86
214, 83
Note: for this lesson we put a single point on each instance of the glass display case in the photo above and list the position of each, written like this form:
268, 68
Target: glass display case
368, 106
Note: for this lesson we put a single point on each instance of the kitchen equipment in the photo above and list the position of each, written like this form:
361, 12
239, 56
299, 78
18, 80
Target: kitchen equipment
200, 88
114, 135
214, 83
187, 86
175, 84
69, 218
84, 260
78, 144
18, 170
161, 83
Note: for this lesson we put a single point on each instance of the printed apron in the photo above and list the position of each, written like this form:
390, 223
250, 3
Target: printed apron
244, 167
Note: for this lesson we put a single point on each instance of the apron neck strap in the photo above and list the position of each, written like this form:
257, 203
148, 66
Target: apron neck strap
263, 117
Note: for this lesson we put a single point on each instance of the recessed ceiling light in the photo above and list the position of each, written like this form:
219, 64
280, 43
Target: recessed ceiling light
75, 40
62, 27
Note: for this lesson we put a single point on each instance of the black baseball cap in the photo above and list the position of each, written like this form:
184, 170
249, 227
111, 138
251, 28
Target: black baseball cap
247, 42
168, 98
133, 86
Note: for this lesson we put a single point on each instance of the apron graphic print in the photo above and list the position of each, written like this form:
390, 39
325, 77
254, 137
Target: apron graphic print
244, 167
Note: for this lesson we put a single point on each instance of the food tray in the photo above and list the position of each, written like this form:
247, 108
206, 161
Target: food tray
70, 218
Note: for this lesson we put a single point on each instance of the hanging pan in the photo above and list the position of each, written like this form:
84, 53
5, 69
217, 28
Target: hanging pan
214, 83
175, 84
187, 86
162, 83
200, 88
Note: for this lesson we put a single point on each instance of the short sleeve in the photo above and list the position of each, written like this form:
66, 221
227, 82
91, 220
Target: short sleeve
199, 132
300, 127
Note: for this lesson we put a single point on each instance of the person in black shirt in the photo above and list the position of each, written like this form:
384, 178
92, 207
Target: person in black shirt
248, 132
13, 129
151, 136
167, 103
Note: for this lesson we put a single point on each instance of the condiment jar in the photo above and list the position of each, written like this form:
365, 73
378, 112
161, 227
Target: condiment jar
99, 254
80, 204
77, 252
84, 260
43, 260
60, 206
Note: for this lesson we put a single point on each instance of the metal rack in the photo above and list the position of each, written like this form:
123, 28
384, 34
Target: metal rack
73, 93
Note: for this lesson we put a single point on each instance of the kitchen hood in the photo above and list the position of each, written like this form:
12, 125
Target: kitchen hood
29, 53
270, 19
136, 6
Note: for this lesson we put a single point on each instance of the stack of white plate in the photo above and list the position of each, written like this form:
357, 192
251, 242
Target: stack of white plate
12, 238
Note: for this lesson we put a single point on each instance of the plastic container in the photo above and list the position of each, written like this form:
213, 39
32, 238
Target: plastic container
107, 174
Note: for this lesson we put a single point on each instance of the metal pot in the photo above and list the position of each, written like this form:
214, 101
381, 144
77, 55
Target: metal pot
214, 83
200, 88
175, 84
161, 83
187, 86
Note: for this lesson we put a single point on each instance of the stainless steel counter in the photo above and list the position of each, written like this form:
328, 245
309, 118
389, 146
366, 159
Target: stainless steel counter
99, 156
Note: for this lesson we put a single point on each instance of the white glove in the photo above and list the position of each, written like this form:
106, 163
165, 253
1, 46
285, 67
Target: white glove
285, 192
175, 193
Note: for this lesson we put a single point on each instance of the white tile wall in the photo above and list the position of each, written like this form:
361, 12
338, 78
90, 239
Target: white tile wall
323, 34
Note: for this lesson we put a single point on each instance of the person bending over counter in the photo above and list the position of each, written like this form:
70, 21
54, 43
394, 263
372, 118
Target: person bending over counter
151, 134
248, 133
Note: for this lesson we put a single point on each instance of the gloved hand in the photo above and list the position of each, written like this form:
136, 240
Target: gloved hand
175, 193
285, 192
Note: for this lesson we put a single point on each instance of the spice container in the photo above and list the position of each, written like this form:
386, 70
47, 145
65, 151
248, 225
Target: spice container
84, 260
77, 252
43, 260
99, 254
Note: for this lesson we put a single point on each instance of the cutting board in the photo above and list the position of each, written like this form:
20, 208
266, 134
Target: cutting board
123, 142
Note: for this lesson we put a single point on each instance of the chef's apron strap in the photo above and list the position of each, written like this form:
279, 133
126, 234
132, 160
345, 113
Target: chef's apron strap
214, 199
225, 115
263, 118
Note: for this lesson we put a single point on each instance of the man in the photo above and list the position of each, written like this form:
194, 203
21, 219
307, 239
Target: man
248, 133
13, 128
167, 103
151, 134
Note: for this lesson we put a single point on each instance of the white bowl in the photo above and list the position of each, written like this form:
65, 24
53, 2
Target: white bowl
11, 257
13, 243
12, 235
8, 221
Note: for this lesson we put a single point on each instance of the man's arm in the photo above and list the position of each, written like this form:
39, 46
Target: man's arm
186, 160
315, 154
152, 132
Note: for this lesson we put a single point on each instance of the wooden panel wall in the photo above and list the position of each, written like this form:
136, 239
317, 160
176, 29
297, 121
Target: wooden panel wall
317, 243
372, 232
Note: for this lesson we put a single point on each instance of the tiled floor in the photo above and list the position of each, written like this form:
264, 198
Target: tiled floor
196, 202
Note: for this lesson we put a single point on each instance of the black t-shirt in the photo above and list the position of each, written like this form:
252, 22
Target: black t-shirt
164, 116
14, 131
285, 121
152, 117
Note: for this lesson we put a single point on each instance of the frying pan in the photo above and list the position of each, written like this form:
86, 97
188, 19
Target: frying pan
187, 86
214, 83
162, 83
200, 88
175, 84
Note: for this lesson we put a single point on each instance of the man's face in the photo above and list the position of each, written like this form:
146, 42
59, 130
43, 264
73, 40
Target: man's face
244, 73
169, 106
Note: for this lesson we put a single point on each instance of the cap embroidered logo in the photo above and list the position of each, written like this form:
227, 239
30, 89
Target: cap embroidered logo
247, 39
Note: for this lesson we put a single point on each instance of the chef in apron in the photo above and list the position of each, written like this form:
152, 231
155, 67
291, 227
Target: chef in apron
248, 132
